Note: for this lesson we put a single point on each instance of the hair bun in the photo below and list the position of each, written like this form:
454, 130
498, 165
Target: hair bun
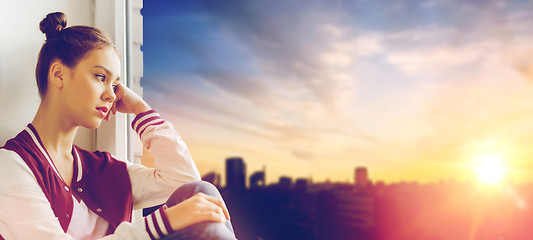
53, 23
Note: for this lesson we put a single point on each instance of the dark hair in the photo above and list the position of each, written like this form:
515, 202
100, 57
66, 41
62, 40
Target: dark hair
68, 45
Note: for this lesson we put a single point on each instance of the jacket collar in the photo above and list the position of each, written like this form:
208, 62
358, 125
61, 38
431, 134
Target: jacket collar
78, 170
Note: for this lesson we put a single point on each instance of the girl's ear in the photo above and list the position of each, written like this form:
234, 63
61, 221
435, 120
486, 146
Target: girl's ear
56, 74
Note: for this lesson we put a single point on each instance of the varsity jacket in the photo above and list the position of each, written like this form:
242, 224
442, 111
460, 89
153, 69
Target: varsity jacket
108, 187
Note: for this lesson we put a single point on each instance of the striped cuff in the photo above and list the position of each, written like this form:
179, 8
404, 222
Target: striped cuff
157, 224
146, 119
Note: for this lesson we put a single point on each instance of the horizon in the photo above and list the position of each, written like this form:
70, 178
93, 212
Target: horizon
502, 182
414, 91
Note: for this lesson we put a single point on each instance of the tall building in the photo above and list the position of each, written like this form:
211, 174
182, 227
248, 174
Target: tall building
235, 173
361, 177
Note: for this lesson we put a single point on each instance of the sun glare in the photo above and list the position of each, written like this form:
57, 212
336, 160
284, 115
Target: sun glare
490, 169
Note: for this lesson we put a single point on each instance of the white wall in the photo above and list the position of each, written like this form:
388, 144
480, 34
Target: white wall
20, 42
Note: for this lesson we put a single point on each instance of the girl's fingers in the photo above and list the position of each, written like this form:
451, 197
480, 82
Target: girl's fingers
108, 116
120, 90
199, 208
119, 95
215, 215
123, 101
220, 204
114, 108
111, 111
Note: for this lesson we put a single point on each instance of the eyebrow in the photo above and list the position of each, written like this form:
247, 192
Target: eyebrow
107, 71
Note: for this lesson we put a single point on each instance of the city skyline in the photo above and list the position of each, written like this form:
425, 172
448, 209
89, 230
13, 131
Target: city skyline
240, 178
414, 90
303, 209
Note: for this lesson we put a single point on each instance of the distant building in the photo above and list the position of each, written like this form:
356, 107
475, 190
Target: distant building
380, 188
213, 178
361, 177
344, 213
285, 183
354, 210
257, 180
235, 173
301, 185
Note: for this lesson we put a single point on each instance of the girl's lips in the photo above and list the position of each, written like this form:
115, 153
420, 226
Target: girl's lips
102, 111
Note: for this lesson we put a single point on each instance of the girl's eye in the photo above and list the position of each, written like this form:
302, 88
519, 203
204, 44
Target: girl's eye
115, 87
100, 77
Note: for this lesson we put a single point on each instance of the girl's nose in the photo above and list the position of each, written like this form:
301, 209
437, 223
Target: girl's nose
109, 94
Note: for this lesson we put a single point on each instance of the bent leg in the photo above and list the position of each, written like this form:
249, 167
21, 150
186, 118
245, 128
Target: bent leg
205, 230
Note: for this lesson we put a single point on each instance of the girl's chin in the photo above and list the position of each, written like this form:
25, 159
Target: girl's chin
93, 125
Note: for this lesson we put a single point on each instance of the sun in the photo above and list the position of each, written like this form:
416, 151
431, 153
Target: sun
490, 169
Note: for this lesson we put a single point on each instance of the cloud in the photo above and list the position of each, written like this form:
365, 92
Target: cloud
291, 71
437, 59
353, 81
518, 56
429, 3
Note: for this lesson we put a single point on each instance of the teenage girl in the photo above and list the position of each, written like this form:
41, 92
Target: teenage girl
52, 189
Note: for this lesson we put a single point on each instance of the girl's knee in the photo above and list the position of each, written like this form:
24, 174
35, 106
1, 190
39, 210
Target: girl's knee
189, 189
201, 186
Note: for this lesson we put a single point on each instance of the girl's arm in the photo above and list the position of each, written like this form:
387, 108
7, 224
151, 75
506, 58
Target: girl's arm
174, 165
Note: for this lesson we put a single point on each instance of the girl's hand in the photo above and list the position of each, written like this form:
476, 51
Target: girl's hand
199, 208
127, 101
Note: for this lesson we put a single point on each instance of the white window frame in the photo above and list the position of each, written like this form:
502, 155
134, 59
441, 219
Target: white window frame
115, 135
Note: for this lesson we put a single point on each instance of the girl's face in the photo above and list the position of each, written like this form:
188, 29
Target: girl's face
89, 92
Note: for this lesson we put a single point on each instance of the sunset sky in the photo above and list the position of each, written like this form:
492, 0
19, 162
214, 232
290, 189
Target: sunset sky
413, 90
